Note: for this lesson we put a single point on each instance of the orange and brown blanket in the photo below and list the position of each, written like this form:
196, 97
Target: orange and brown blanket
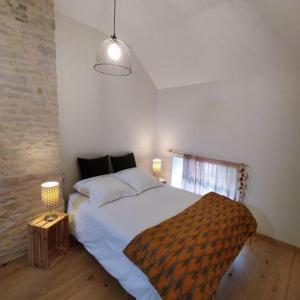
186, 256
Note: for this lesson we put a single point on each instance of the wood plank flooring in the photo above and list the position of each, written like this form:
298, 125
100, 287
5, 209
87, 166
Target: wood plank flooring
263, 271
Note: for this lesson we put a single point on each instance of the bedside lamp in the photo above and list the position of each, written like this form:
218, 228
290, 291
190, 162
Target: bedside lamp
156, 166
50, 197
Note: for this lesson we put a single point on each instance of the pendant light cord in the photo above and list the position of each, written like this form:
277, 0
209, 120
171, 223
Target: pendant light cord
114, 35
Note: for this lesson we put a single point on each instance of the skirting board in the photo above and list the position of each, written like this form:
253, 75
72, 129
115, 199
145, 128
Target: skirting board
278, 242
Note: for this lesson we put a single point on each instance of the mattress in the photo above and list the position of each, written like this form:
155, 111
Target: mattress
106, 231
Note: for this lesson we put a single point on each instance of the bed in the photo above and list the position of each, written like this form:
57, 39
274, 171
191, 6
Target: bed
106, 231
158, 241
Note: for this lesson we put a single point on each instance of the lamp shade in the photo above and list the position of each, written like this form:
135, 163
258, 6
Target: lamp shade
113, 58
156, 165
50, 193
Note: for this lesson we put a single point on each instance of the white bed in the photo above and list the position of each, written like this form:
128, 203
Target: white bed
107, 230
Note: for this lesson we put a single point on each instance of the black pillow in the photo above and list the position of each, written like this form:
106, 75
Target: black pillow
120, 163
93, 167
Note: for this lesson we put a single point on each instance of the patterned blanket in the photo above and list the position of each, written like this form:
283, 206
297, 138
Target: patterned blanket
186, 256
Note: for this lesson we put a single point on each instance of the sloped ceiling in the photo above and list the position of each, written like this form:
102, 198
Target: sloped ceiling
196, 41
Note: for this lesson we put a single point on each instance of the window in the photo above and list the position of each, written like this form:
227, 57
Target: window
177, 169
201, 176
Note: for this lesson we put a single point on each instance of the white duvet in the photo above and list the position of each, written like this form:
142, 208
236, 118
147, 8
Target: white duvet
106, 231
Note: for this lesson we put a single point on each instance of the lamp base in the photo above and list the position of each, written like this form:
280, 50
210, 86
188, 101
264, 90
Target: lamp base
50, 217
156, 175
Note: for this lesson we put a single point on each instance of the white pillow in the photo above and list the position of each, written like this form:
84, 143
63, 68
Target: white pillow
104, 189
138, 179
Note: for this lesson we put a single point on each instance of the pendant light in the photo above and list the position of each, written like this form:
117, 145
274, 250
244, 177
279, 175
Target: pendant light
113, 56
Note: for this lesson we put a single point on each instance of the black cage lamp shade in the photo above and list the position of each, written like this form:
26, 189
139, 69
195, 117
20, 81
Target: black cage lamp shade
113, 57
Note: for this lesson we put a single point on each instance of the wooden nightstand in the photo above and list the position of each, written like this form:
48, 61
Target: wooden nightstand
47, 240
162, 180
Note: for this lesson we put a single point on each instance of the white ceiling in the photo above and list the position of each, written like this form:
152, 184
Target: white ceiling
183, 42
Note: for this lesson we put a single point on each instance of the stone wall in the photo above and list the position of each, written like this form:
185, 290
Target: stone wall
29, 148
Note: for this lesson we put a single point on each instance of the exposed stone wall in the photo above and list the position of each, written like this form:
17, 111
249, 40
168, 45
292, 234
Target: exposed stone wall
29, 149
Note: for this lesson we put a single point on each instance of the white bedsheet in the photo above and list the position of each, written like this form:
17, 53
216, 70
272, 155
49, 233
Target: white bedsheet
106, 231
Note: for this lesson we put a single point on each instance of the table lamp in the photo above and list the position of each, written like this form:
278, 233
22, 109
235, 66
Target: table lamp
50, 197
156, 166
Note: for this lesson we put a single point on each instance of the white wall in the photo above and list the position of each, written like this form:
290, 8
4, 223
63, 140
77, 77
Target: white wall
99, 114
252, 120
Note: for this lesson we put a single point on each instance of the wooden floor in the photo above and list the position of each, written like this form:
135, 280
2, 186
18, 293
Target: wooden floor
265, 270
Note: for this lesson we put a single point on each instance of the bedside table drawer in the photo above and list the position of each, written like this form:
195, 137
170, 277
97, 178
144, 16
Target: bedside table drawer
162, 180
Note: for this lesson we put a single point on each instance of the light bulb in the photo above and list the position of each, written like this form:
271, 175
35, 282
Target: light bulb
114, 51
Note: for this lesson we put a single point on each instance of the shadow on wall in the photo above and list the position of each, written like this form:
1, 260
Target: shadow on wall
261, 217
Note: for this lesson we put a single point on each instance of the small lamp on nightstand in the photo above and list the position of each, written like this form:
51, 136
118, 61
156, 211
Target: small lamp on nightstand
156, 166
50, 197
